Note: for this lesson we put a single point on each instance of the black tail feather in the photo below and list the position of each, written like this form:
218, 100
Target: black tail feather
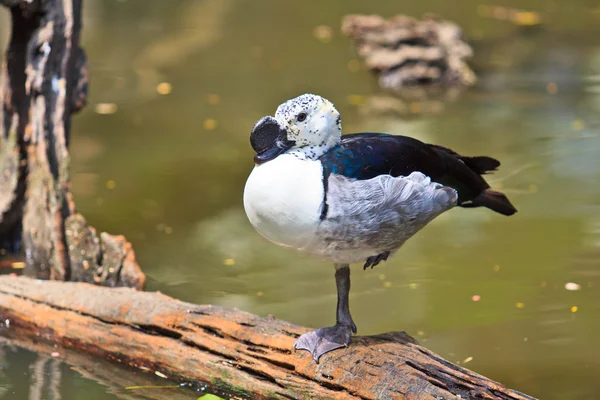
473, 190
481, 164
495, 201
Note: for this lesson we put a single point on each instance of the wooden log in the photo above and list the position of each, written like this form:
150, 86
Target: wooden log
407, 52
227, 349
44, 81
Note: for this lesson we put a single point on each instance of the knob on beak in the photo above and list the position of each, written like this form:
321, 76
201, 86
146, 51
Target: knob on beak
269, 140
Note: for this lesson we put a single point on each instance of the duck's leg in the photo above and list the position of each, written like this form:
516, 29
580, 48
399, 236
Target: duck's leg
323, 340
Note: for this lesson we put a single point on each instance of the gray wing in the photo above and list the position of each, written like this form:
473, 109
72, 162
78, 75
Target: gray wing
382, 212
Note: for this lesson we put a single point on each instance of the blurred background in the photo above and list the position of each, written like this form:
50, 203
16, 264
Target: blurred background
161, 154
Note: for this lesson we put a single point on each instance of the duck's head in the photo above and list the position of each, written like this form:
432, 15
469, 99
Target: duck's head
307, 124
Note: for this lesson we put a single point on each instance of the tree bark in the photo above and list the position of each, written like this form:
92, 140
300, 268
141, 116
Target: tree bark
44, 81
227, 349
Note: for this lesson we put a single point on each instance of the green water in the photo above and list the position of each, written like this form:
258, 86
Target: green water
175, 186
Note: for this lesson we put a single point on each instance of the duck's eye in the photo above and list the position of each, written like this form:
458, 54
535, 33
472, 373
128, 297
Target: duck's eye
301, 117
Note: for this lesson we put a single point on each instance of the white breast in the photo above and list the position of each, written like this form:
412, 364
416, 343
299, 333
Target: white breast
283, 200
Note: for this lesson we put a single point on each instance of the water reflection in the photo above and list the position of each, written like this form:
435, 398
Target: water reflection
57, 373
46, 379
167, 170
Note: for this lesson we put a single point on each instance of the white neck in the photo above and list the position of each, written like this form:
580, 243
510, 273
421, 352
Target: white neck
314, 151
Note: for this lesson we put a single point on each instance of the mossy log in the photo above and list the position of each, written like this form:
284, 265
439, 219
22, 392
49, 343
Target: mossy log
44, 81
228, 349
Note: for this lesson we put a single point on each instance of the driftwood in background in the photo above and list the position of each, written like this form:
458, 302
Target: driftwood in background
405, 51
228, 349
44, 81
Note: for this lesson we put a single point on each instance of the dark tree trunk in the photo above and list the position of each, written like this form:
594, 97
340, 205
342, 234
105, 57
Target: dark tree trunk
44, 81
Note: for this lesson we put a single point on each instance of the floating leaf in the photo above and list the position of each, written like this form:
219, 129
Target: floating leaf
577, 125
214, 99
572, 286
106, 108
164, 88
323, 33
354, 65
209, 396
209, 124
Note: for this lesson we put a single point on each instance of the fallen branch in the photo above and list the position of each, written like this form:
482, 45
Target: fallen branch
228, 349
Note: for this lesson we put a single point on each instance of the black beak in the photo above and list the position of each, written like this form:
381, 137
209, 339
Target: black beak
269, 140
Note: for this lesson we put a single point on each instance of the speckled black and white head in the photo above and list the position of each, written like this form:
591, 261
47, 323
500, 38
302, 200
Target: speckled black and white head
307, 126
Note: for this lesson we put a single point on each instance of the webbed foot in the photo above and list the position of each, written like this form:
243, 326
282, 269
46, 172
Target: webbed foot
324, 340
374, 260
